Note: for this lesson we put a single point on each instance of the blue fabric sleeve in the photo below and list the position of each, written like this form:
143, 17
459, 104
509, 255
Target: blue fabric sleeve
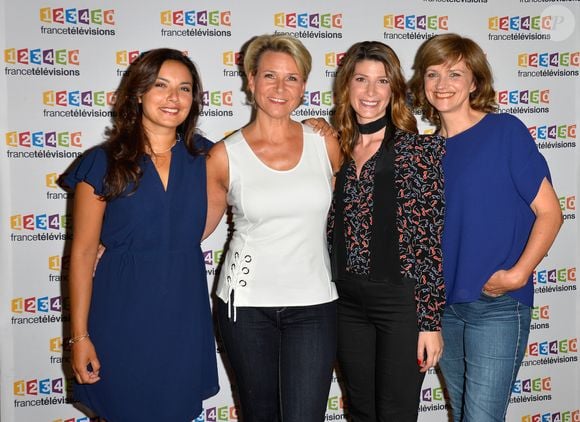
202, 142
527, 165
90, 169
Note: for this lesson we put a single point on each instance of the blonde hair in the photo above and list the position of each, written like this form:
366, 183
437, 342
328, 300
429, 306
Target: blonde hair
279, 44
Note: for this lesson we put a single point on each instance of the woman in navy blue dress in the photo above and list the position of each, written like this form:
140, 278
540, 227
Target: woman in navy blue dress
141, 337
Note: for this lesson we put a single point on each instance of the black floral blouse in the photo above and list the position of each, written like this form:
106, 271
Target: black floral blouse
420, 213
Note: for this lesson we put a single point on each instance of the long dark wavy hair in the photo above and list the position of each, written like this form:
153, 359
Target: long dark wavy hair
127, 140
344, 117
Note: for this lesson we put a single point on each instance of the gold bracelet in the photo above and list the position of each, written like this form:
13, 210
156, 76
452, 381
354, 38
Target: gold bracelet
74, 340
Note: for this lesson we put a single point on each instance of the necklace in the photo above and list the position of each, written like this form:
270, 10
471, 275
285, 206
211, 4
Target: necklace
373, 127
165, 150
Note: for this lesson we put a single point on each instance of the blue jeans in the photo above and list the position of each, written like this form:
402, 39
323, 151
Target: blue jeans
485, 343
282, 359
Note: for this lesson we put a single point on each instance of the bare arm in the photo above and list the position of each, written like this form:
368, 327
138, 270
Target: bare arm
217, 186
334, 153
548, 222
88, 214
320, 126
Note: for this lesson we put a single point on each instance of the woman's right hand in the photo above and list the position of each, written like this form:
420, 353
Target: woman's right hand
83, 354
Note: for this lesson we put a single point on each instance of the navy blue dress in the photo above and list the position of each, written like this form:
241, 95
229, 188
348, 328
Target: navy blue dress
150, 317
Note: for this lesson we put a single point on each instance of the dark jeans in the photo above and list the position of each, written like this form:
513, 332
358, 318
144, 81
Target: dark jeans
377, 350
282, 358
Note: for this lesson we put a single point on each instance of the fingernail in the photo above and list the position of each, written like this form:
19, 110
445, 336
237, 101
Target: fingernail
419, 362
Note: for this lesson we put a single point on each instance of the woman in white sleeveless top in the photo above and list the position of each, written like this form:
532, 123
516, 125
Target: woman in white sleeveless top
276, 306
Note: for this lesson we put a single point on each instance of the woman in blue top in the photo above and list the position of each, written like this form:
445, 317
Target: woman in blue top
141, 337
502, 216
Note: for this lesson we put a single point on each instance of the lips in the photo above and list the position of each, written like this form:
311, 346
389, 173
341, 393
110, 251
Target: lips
170, 110
369, 103
443, 95
277, 100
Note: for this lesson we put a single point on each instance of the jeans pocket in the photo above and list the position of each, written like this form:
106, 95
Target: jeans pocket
490, 295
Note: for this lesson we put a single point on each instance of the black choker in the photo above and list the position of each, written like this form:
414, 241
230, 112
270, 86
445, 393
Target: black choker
373, 127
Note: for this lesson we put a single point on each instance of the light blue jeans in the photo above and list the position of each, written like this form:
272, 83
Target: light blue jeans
485, 343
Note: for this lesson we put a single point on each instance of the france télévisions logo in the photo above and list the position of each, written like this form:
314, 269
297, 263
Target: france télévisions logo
43, 144
196, 23
43, 139
42, 222
77, 21
413, 26
59, 350
41, 392
433, 399
126, 57
217, 104
313, 25
77, 103
531, 390
335, 403
58, 267
559, 63
554, 280
524, 101
517, 28
77, 98
554, 136
39, 227
560, 416
532, 385
39, 310
218, 414
38, 56
233, 59
315, 104
54, 191
562, 350
568, 207
35, 387
332, 60
41, 62
540, 317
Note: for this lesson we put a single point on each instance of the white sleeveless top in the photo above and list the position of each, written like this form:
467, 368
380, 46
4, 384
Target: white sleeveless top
278, 254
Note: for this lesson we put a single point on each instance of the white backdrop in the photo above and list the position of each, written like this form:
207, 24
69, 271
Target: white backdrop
63, 60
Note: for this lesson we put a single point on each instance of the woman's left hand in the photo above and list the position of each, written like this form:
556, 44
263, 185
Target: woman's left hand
321, 126
429, 349
503, 281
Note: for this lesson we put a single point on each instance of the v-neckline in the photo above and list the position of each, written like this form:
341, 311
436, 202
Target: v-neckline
164, 188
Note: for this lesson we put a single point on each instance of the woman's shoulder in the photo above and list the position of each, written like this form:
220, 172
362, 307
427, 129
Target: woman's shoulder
419, 143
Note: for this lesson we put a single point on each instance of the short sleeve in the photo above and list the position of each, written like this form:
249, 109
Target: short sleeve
528, 166
90, 169
202, 143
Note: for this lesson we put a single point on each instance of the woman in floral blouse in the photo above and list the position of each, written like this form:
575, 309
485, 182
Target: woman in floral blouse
385, 237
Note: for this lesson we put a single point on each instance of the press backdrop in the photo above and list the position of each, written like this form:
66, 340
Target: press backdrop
62, 61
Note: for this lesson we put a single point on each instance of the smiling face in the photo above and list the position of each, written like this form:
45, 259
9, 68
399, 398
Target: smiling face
277, 85
167, 103
370, 91
447, 87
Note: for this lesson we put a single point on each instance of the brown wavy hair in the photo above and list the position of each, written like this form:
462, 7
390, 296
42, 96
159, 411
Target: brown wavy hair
344, 118
452, 48
127, 141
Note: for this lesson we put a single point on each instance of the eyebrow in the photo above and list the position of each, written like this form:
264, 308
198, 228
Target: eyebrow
181, 83
364, 74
